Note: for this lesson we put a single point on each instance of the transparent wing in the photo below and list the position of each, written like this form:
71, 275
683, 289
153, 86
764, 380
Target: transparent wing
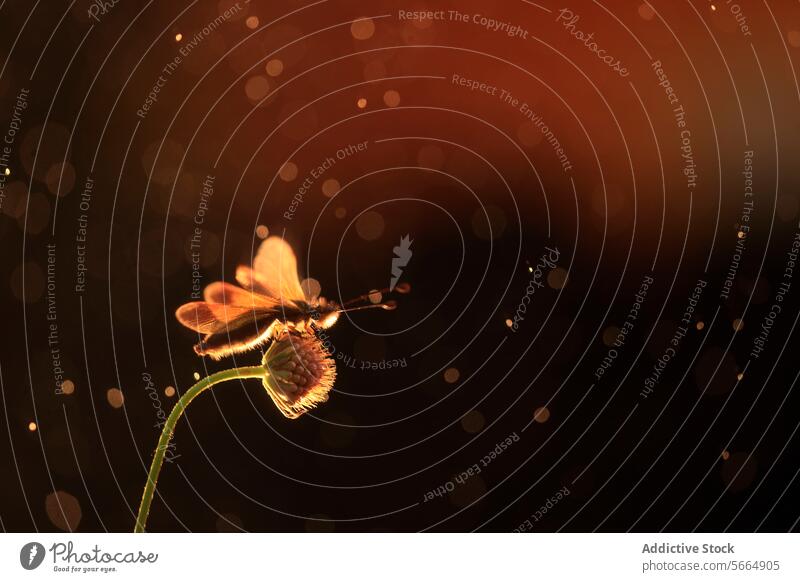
221, 292
274, 272
209, 318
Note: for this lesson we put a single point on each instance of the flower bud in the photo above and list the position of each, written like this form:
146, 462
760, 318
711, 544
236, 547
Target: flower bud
300, 373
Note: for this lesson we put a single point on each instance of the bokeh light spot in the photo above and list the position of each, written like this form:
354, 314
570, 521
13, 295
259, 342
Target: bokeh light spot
370, 225
473, 422
274, 67
557, 278
63, 510
391, 98
331, 187
311, 288
541, 415
646, 11
288, 172
362, 29
451, 375
115, 397
256, 88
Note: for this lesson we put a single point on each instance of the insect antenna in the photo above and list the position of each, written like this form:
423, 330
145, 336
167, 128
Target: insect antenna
387, 305
402, 288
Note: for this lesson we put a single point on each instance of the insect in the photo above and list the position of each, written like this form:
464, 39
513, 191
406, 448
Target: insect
269, 302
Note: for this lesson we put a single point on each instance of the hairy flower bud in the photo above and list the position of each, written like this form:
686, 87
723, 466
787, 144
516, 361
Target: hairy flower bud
300, 373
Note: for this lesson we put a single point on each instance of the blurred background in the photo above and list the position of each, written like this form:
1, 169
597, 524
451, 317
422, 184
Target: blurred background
562, 213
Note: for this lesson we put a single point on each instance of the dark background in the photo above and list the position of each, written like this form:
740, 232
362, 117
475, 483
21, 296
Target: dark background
705, 451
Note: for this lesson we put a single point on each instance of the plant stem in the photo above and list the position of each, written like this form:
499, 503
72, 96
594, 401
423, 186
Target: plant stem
169, 428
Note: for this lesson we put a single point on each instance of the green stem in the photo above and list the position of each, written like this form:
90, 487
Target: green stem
169, 428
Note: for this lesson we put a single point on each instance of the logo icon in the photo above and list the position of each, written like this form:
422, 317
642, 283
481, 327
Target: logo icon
31, 555
402, 254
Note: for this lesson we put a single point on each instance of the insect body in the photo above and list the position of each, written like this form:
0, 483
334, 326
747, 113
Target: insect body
270, 301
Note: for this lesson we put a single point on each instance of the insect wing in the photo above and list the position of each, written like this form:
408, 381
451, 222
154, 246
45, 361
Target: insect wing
231, 295
275, 269
209, 318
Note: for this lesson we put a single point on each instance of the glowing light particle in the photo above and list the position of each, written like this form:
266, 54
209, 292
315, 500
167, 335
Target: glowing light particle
32, 426
646, 11
331, 187
256, 88
288, 172
541, 415
451, 375
391, 98
473, 422
362, 29
557, 278
115, 397
274, 67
